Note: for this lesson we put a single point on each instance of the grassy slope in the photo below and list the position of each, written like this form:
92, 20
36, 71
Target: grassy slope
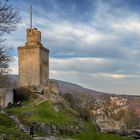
91, 134
46, 113
43, 113
9, 129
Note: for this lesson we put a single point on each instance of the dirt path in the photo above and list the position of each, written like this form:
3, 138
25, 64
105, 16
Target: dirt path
50, 138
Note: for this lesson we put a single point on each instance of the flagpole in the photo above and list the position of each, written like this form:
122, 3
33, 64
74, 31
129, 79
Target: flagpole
31, 16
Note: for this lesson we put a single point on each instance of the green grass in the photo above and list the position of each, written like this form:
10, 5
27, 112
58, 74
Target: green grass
9, 129
5, 121
91, 134
45, 113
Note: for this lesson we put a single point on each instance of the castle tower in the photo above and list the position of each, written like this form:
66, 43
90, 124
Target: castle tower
33, 60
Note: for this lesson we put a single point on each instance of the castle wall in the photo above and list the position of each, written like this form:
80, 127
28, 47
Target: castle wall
2, 98
9, 97
44, 65
29, 66
6, 96
33, 61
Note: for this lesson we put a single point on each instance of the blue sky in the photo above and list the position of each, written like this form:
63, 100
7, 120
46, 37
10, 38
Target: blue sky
94, 43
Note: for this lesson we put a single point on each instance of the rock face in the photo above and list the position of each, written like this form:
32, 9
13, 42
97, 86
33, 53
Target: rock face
134, 105
110, 114
52, 87
110, 125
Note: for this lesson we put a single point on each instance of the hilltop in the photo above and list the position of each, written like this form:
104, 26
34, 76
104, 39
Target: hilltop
71, 111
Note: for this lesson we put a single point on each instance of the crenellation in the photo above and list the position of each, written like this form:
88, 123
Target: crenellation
33, 35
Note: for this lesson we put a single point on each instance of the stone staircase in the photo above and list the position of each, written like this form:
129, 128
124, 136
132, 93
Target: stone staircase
17, 121
19, 124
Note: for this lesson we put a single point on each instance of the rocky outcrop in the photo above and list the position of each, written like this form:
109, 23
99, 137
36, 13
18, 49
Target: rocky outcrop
113, 115
110, 125
53, 129
52, 87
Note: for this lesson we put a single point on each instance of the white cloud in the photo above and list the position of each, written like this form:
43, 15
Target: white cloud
128, 25
95, 65
115, 76
66, 31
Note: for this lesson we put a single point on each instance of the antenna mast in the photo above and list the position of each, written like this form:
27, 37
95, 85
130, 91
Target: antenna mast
31, 16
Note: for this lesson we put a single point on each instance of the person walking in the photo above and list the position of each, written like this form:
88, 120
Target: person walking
32, 130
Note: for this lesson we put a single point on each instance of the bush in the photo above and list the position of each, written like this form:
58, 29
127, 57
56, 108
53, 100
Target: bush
22, 94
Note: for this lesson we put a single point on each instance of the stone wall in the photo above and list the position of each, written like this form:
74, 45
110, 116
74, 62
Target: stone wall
29, 71
9, 96
2, 98
44, 66
33, 66
6, 96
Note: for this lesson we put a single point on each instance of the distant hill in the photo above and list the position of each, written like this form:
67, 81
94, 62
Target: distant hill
13, 77
77, 90
66, 87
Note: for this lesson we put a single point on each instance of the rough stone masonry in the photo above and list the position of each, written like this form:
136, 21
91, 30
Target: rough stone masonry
33, 61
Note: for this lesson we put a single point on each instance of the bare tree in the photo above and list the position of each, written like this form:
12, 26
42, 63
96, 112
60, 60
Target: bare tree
9, 19
4, 58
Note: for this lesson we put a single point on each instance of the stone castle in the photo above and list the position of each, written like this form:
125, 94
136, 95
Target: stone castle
33, 61
33, 64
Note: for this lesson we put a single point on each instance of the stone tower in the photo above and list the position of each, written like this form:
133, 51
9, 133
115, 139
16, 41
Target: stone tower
33, 61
